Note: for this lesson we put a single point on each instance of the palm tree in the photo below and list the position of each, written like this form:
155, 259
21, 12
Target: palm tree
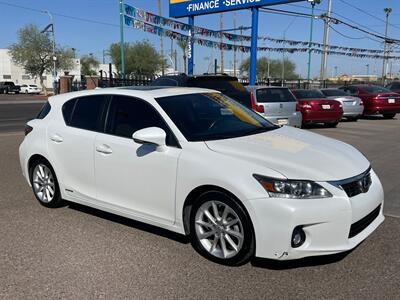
183, 45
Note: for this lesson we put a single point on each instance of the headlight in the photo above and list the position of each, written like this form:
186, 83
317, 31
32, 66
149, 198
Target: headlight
292, 189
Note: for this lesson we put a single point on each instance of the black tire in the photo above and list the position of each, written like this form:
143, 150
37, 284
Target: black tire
331, 125
56, 201
352, 119
248, 246
26, 92
16, 93
389, 116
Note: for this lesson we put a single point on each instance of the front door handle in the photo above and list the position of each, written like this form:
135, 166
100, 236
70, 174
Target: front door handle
56, 138
104, 149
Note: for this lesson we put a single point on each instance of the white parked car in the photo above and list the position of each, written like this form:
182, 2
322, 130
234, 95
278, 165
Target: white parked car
198, 163
30, 89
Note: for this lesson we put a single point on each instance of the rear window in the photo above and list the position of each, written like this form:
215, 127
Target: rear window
374, 89
308, 94
274, 95
216, 83
334, 92
44, 111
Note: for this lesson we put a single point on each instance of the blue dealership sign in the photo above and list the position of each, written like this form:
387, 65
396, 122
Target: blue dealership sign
185, 8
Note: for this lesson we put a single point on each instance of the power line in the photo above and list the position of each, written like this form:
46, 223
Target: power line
368, 13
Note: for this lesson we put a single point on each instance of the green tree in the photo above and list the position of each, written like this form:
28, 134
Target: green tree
274, 66
34, 52
89, 64
183, 44
141, 58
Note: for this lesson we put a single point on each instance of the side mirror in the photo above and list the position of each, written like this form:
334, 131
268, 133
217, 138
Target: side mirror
151, 135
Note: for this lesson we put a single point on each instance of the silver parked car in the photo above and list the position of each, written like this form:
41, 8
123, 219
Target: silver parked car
276, 104
353, 107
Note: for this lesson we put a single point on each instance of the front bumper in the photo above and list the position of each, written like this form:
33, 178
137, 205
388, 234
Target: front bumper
326, 222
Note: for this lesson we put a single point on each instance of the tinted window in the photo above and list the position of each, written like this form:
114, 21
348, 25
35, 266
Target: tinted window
128, 115
334, 92
274, 95
44, 111
308, 94
67, 110
374, 89
85, 112
212, 116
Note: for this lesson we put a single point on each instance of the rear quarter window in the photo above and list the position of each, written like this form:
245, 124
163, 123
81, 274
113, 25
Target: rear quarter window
44, 111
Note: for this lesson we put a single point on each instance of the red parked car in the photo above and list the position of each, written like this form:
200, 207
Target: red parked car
377, 100
316, 108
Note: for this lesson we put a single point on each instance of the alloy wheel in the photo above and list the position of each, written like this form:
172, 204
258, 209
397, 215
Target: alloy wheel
219, 229
43, 183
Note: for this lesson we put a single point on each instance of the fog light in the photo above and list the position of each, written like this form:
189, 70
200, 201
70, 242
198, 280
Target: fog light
298, 237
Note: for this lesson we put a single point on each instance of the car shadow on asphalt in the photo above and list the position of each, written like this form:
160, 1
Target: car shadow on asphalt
299, 263
129, 222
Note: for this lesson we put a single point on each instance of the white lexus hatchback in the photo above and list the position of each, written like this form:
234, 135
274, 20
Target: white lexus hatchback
198, 163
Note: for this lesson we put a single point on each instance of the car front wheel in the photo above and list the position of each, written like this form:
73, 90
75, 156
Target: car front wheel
221, 229
45, 185
389, 116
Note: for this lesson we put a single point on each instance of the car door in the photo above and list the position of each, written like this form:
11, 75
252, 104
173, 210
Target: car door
134, 177
71, 139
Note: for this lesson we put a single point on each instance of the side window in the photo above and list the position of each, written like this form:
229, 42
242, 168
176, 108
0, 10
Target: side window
85, 112
128, 115
44, 111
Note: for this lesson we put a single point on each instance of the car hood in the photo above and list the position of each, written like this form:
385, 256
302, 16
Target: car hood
296, 154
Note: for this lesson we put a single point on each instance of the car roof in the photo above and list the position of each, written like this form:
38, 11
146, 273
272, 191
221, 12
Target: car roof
140, 92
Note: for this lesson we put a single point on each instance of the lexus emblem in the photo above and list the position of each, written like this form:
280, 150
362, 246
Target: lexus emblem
364, 184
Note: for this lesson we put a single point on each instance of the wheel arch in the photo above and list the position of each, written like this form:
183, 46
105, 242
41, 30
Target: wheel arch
33, 159
196, 193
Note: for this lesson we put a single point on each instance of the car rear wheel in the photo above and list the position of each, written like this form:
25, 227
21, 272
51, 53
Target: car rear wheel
389, 116
45, 185
352, 119
331, 125
221, 230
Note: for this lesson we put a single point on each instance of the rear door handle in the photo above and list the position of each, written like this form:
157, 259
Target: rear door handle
56, 138
104, 149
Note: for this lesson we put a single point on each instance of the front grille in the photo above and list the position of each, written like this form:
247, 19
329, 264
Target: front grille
358, 186
355, 185
359, 226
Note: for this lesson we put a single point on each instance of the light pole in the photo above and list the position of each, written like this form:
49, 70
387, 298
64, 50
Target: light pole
367, 65
313, 3
47, 29
387, 12
336, 69
121, 32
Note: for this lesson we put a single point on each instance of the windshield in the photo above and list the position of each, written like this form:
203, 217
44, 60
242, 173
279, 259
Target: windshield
212, 116
217, 83
274, 95
374, 89
334, 92
308, 94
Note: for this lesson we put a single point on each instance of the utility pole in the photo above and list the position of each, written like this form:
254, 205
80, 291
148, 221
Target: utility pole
336, 69
234, 45
161, 41
221, 23
313, 2
387, 12
324, 58
367, 65
121, 31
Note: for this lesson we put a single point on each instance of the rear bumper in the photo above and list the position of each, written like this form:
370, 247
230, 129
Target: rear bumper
294, 119
382, 109
353, 111
310, 116
326, 222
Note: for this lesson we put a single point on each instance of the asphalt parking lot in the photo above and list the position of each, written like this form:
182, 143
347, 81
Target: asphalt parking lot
81, 253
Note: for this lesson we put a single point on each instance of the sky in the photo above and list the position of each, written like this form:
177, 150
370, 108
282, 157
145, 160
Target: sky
74, 29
